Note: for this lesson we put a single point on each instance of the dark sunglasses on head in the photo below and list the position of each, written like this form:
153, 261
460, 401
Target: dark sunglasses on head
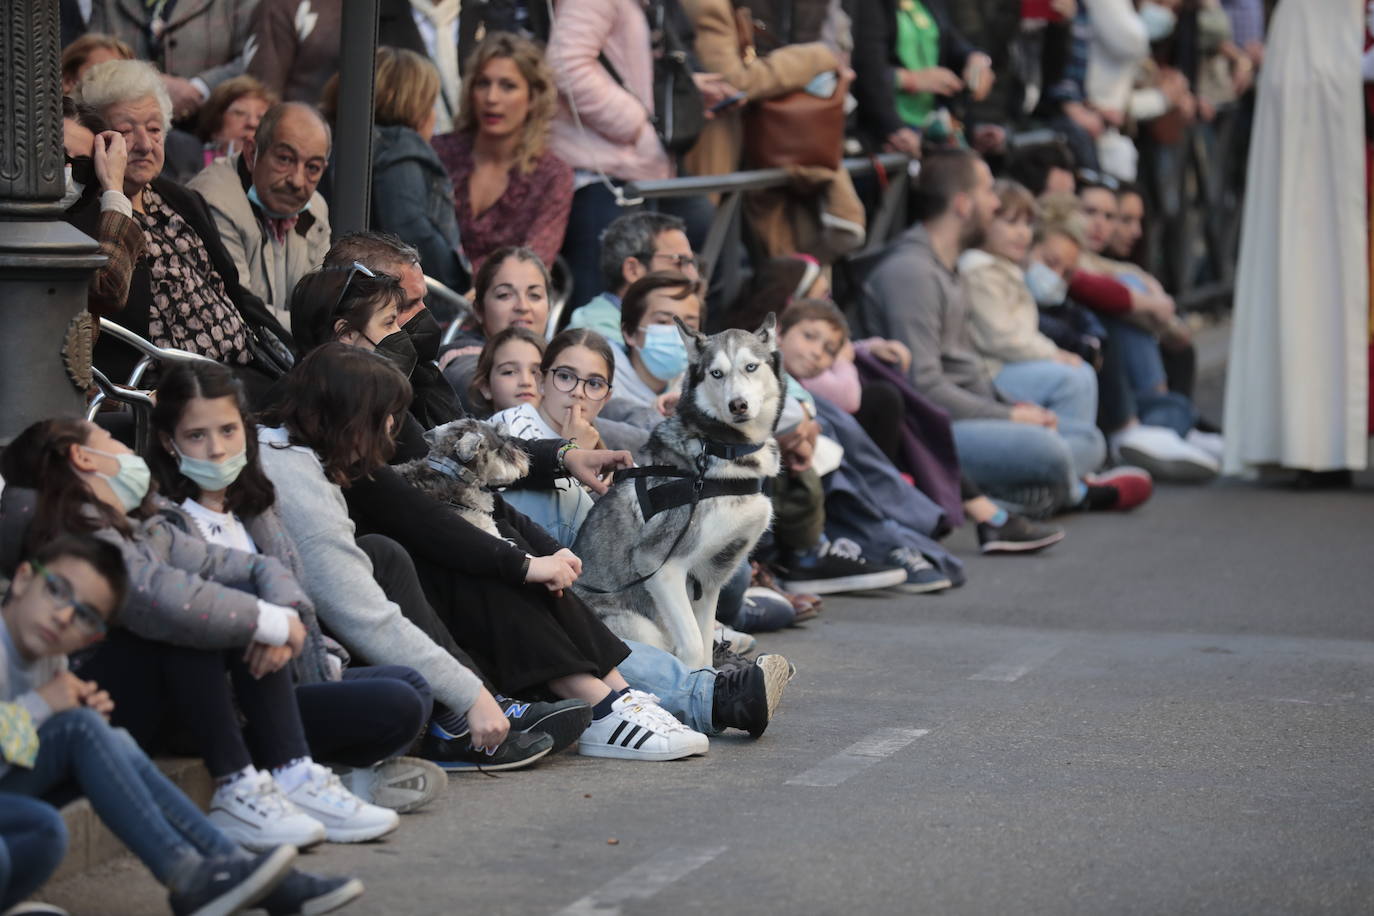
60, 591
353, 271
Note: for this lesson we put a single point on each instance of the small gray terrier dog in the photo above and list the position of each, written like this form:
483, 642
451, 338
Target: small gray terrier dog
467, 458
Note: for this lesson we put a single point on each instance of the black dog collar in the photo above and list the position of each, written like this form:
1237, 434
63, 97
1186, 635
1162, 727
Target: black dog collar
728, 451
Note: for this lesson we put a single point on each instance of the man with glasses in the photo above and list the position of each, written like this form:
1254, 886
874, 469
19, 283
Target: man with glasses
634, 246
273, 222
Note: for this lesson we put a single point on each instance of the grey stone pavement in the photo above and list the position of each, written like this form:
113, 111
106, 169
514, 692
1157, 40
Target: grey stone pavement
1170, 712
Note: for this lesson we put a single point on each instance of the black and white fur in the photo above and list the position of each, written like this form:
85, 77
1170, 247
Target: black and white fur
732, 394
467, 458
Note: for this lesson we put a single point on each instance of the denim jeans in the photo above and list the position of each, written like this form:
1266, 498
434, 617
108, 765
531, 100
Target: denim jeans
1069, 391
685, 692
33, 840
731, 599
141, 806
1031, 469
1143, 363
559, 511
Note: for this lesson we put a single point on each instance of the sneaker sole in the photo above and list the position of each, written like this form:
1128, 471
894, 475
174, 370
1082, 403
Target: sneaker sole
777, 673
564, 726
864, 583
406, 799
923, 588
359, 834
249, 839
257, 885
1023, 546
1174, 470
625, 753
451, 768
340, 896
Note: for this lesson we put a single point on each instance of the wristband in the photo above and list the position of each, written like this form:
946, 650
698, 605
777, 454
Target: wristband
563, 454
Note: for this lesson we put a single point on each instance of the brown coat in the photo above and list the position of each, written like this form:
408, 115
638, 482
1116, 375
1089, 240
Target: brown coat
122, 242
787, 69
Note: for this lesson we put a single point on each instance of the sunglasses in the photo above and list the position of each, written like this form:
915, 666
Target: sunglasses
60, 591
353, 271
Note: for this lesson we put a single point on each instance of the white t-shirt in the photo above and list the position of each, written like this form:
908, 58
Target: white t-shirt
523, 421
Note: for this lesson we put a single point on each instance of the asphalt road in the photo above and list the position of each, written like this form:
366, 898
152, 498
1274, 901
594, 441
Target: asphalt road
1169, 712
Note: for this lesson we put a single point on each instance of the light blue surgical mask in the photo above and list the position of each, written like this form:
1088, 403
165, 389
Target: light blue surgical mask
663, 353
1159, 20
1047, 286
257, 202
130, 484
211, 476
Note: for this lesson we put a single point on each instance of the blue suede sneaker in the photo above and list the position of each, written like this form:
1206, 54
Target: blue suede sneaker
921, 577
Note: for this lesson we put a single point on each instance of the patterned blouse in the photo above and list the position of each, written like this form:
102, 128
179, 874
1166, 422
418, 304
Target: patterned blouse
532, 212
191, 310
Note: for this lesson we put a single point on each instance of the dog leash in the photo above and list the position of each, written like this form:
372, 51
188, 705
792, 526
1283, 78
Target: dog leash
686, 489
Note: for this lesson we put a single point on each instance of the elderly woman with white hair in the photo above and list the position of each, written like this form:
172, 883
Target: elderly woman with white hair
185, 291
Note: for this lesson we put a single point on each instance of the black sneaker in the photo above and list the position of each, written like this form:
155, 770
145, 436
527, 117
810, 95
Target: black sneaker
520, 749
563, 721
1017, 534
303, 894
228, 885
746, 698
836, 566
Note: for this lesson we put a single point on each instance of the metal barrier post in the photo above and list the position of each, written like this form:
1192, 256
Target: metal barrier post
351, 208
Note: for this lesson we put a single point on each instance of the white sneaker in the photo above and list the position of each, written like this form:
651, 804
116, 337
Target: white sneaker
1163, 453
738, 642
402, 784
253, 812
639, 730
346, 818
1211, 443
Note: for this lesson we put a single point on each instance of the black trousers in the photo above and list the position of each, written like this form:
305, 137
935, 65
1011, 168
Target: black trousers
881, 414
374, 713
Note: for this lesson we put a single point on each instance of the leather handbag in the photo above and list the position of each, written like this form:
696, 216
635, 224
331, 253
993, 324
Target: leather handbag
796, 129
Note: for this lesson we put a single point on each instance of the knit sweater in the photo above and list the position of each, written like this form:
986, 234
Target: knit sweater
338, 574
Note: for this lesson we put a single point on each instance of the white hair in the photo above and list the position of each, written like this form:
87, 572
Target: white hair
116, 81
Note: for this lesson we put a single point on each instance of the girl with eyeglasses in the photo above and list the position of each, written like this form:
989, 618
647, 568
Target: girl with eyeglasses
548, 393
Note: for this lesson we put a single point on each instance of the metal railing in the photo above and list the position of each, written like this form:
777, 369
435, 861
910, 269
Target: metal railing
883, 221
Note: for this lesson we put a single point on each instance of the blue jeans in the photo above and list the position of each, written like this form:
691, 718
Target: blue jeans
559, 511
685, 692
731, 598
141, 806
33, 840
1069, 391
1155, 404
1031, 469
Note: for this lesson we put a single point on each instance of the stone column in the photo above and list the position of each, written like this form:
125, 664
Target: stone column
44, 262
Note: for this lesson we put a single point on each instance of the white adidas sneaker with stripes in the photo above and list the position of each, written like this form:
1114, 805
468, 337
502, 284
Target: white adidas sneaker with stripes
636, 729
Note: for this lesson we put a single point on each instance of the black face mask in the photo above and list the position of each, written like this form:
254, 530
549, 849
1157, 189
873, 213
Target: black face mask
398, 348
83, 171
425, 334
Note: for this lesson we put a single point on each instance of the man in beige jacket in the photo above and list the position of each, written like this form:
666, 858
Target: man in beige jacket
274, 223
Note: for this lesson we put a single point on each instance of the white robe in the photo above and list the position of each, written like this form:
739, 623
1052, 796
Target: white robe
1296, 385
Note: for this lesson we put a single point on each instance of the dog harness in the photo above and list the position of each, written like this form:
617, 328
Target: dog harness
688, 488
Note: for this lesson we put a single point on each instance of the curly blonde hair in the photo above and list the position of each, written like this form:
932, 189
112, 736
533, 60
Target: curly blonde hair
528, 58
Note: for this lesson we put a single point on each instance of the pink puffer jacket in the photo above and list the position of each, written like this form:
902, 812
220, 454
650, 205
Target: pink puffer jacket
617, 135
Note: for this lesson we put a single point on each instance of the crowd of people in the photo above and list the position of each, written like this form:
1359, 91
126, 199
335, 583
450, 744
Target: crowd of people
265, 587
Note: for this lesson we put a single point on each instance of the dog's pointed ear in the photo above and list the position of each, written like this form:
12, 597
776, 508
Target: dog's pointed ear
767, 333
694, 341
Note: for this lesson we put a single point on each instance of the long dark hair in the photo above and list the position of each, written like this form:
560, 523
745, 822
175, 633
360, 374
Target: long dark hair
323, 296
39, 458
336, 401
252, 493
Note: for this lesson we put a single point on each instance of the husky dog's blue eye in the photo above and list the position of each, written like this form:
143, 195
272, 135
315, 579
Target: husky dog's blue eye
751, 367
716, 373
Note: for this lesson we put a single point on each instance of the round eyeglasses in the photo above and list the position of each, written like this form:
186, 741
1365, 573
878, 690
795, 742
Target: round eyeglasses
595, 388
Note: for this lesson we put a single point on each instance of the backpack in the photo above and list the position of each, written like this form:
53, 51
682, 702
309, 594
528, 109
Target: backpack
679, 112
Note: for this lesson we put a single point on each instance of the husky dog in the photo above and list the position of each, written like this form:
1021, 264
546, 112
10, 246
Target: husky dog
467, 458
649, 575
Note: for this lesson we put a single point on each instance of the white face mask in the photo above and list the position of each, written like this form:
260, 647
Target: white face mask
1159, 20
130, 484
